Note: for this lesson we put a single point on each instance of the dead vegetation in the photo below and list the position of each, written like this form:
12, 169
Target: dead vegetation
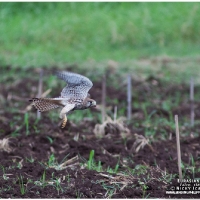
109, 127
5, 145
140, 143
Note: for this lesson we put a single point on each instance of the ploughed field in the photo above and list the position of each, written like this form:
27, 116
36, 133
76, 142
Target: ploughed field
119, 158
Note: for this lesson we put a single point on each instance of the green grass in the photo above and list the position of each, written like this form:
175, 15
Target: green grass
93, 165
26, 122
37, 34
91, 160
21, 185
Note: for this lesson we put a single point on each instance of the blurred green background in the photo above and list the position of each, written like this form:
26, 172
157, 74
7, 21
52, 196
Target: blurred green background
37, 34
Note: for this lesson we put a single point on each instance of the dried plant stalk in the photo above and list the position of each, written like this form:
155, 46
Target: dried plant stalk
115, 113
40, 85
129, 97
103, 102
69, 162
178, 147
192, 101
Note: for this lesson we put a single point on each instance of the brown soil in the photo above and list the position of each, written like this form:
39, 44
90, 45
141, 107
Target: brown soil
151, 166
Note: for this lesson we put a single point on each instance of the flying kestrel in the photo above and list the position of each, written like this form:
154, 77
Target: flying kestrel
73, 97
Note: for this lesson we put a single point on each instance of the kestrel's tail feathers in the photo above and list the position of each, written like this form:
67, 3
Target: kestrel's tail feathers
45, 104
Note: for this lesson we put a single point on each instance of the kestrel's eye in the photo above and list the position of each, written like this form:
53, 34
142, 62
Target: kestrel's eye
89, 103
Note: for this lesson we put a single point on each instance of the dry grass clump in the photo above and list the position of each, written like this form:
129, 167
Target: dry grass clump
4, 145
110, 126
140, 143
117, 127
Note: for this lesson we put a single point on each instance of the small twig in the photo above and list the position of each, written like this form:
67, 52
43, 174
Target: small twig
45, 93
28, 174
129, 97
103, 109
192, 101
115, 113
40, 91
178, 147
104, 151
106, 176
68, 162
191, 89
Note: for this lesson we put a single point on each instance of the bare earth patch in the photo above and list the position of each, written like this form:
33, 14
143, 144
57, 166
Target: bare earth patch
41, 160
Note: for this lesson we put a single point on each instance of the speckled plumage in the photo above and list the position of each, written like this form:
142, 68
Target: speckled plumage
77, 85
45, 104
73, 97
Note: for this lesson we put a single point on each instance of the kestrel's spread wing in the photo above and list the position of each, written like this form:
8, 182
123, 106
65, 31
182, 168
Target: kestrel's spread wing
77, 85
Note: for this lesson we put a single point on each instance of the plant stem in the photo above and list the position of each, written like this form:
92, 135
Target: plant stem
90, 161
192, 101
103, 109
178, 147
40, 91
26, 123
129, 97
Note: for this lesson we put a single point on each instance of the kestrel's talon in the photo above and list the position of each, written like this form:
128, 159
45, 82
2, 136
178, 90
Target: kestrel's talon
64, 122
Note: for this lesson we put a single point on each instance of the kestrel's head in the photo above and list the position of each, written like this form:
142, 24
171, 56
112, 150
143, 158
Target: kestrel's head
91, 103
